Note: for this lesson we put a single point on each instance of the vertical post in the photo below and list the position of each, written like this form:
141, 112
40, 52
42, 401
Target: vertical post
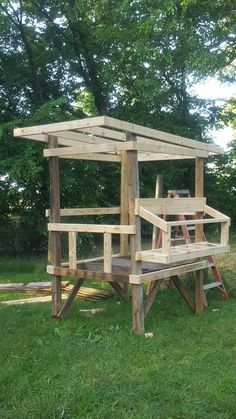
124, 213
124, 204
135, 239
72, 250
107, 252
158, 194
199, 179
55, 245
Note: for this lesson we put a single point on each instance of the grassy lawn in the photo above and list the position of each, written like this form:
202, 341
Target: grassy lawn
94, 367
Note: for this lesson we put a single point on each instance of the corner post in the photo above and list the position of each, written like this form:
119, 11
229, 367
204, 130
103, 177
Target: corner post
55, 239
135, 239
199, 182
124, 213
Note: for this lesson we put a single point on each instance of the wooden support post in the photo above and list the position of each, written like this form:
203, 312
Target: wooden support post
72, 250
124, 204
153, 290
199, 299
71, 296
107, 253
135, 240
124, 210
183, 291
199, 179
158, 194
55, 239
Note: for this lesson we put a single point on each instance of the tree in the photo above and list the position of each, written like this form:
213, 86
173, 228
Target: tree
133, 60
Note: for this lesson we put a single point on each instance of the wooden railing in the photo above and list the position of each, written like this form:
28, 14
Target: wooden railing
148, 208
105, 229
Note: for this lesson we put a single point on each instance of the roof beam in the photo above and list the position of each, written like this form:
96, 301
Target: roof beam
159, 135
59, 126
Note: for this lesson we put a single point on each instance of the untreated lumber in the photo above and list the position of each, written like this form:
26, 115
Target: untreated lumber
55, 239
81, 273
183, 291
199, 301
87, 149
71, 297
93, 228
135, 240
153, 290
159, 135
120, 291
168, 272
171, 206
59, 126
87, 211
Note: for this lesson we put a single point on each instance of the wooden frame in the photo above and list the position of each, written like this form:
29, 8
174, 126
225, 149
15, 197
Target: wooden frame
107, 139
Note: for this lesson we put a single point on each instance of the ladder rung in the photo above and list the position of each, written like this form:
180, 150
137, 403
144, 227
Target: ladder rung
212, 285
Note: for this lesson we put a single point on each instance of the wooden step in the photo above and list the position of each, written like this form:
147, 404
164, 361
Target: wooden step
212, 285
182, 252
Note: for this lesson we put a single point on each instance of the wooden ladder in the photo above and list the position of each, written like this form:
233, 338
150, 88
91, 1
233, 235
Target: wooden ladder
218, 283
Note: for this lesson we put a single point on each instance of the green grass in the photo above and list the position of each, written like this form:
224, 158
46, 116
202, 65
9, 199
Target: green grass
94, 367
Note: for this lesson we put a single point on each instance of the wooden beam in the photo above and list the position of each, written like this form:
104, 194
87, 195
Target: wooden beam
120, 291
214, 213
70, 297
84, 273
168, 272
158, 194
195, 222
93, 228
86, 211
94, 156
72, 250
199, 292
106, 133
142, 157
153, 219
172, 206
159, 135
166, 241
86, 149
135, 241
55, 240
199, 180
155, 286
124, 210
124, 203
160, 147
59, 126
183, 291
107, 252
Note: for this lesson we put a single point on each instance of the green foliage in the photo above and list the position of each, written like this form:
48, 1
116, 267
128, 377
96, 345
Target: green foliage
133, 60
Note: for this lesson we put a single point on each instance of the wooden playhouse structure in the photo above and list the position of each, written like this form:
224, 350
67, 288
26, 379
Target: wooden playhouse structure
107, 139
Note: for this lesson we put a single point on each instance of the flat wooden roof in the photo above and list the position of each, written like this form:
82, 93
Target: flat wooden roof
104, 138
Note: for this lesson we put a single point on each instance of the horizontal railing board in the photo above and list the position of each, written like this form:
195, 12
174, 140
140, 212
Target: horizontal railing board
171, 206
168, 272
86, 211
92, 228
